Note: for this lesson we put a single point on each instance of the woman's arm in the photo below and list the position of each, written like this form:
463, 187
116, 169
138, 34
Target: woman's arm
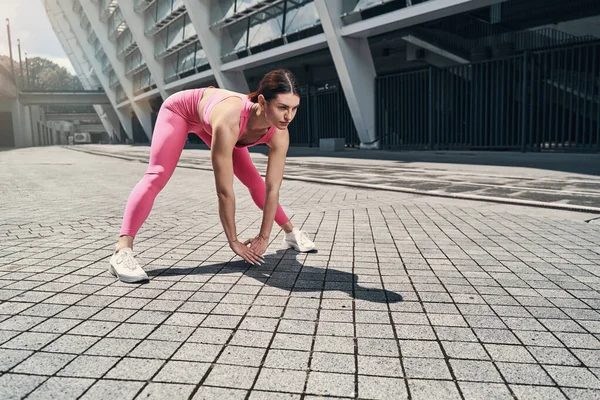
225, 130
278, 147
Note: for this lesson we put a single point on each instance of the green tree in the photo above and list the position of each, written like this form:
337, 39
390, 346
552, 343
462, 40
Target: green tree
46, 75
43, 75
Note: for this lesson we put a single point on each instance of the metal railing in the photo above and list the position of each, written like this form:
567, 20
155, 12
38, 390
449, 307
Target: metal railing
323, 113
535, 101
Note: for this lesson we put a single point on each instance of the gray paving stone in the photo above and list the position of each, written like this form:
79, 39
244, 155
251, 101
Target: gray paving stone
537, 392
510, 353
475, 371
88, 366
112, 347
20, 323
590, 358
377, 347
325, 383
61, 388
259, 395
210, 393
334, 344
465, 350
375, 387
232, 376
583, 394
161, 391
420, 348
428, 389
171, 333
182, 372
43, 363
112, 389
197, 352
573, 376
553, 355
237, 355
484, 391
287, 359
281, 380
293, 342
333, 362
30, 341
528, 374
251, 338
16, 386
7, 335
94, 328
211, 335
498, 336
426, 368
455, 334
298, 326
154, 349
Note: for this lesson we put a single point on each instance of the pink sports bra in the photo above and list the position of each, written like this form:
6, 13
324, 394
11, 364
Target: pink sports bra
219, 96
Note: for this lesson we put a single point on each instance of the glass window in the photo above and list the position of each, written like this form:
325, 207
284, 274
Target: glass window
301, 17
189, 30
200, 58
133, 60
244, 4
177, 4
187, 56
241, 43
112, 78
171, 65
265, 31
124, 41
142, 81
120, 94
363, 4
149, 17
163, 9
175, 32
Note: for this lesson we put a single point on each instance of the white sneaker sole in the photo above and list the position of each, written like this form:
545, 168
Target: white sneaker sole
125, 279
291, 246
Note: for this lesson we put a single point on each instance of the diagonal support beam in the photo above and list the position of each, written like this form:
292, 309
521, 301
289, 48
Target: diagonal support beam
211, 41
135, 22
142, 110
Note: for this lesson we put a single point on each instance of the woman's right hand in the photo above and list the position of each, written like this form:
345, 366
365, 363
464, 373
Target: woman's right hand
246, 253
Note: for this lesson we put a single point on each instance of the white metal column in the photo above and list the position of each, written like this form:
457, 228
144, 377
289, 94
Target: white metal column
75, 53
71, 19
199, 13
142, 109
355, 68
135, 22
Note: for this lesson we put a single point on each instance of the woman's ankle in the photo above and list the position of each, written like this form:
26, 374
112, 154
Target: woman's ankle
287, 227
124, 242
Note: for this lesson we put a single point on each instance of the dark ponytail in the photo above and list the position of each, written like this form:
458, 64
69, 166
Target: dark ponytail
275, 82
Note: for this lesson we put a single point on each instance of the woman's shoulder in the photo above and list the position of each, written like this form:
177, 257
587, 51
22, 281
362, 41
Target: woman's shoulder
227, 111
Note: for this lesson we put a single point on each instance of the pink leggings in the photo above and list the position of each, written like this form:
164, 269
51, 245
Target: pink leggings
170, 134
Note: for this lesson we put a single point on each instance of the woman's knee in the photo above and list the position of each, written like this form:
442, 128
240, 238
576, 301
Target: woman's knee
157, 177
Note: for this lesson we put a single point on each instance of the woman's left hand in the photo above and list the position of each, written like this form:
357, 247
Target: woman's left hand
258, 245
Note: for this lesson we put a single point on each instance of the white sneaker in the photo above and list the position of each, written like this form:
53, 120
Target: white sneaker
299, 241
125, 267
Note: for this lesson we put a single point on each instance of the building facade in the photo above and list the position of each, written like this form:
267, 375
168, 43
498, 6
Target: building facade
429, 74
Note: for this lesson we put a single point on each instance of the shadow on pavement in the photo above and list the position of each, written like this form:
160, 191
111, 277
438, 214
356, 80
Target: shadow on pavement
280, 271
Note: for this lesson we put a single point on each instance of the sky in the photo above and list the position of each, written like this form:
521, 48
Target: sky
29, 22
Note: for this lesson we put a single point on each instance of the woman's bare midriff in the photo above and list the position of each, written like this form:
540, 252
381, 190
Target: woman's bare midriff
247, 137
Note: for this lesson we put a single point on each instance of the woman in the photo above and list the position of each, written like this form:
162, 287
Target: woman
228, 123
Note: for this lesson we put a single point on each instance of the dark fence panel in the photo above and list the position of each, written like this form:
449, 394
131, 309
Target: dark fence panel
535, 101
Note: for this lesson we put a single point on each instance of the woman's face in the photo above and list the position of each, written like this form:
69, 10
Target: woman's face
281, 110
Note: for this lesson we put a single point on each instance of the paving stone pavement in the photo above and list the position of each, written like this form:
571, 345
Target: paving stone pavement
408, 297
